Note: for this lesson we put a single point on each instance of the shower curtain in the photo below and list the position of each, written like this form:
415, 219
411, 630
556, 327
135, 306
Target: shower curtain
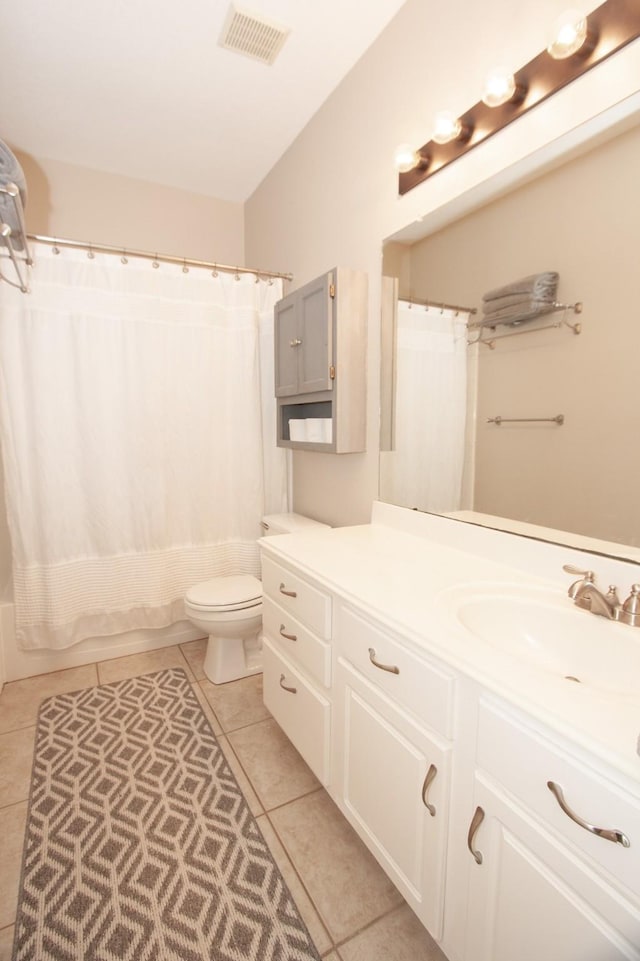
425, 468
138, 439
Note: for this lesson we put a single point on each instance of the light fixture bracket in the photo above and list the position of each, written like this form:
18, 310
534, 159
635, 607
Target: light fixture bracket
611, 26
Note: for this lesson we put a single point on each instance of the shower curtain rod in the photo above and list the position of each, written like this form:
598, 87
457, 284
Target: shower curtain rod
124, 252
440, 304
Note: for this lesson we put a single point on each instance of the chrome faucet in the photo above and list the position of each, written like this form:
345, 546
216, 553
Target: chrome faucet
584, 593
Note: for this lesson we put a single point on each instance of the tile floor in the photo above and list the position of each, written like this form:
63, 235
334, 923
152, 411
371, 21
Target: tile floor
352, 910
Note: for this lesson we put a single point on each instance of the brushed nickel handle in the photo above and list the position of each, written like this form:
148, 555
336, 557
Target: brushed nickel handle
617, 837
431, 774
291, 690
287, 593
295, 342
476, 821
391, 668
289, 637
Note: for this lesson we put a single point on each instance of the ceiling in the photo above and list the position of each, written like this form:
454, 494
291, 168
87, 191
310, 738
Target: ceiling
142, 88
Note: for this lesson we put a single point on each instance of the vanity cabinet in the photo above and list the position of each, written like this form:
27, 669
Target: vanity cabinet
541, 884
297, 628
320, 364
391, 770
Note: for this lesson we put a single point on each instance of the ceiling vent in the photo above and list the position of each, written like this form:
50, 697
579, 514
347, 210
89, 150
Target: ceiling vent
252, 35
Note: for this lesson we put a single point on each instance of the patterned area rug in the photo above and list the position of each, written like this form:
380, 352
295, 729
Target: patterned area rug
140, 844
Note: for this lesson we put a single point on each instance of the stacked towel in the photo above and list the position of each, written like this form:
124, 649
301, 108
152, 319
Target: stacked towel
521, 300
11, 173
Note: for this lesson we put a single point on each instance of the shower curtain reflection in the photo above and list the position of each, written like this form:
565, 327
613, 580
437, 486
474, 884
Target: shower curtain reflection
135, 440
424, 468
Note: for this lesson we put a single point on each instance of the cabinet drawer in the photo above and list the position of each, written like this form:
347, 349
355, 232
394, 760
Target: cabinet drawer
297, 642
524, 761
302, 712
416, 685
309, 605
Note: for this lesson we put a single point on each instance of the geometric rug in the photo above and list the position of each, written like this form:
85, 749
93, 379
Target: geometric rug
140, 845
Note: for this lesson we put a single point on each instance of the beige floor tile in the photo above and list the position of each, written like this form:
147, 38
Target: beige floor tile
237, 703
194, 651
275, 768
6, 943
121, 668
317, 930
333, 956
20, 700
345, 882
12, 825
397, 937
16, 760
243, 781
208, 710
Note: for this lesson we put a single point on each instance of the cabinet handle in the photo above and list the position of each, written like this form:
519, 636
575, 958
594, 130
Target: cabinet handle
287, 593
476, 821
289, 637
383, 667
295, 342
609, 835
431, 773
291, 690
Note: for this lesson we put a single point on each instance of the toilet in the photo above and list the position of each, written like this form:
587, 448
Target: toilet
229, 610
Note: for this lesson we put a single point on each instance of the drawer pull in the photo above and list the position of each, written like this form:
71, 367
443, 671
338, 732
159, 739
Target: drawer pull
476, 821
287, 593
291, 690
382, 667
289, 637
609, 835
428, 781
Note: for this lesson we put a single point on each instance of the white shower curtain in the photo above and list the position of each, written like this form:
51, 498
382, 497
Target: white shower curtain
425, 468
138, 437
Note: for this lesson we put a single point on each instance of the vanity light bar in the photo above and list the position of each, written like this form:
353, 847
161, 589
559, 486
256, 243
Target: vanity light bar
611, 26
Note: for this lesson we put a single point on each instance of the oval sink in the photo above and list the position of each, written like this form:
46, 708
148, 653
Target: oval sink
548, 632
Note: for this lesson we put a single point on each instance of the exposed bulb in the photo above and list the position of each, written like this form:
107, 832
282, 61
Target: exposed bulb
569, 34
446, 127
405, 158
499, 88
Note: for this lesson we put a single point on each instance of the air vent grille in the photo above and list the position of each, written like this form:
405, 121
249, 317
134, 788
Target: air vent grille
251, 35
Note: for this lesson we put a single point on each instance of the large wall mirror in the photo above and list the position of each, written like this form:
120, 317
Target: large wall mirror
581, 218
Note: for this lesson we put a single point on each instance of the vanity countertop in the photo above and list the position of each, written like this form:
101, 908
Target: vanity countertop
403, 580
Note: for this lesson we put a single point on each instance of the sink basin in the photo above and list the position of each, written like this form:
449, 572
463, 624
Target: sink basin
546, 631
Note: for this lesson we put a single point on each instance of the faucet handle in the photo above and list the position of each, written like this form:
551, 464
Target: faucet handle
586, 577
630, 613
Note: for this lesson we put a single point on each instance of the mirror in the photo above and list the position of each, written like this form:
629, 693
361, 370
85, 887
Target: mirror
576, 479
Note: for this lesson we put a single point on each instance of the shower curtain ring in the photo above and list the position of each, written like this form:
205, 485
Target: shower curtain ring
237, 275
185, 269
124, 259
55, 249
214, 272
154, 263
90, 253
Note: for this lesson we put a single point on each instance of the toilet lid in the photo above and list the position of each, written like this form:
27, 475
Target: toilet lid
226, 593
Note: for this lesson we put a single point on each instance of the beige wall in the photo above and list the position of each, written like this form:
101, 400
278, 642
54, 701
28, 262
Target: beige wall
81, 204
582, 221
332, 198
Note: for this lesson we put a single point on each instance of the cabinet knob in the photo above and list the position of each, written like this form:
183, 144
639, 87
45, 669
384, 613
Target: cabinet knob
295, 342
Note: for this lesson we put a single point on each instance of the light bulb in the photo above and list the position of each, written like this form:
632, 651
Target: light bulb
499, 88
569, 34
446, 127
405, 158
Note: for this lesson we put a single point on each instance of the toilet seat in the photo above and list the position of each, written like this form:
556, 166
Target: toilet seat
236, 592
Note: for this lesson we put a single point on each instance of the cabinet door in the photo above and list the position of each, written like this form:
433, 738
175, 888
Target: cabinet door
530, 898
286, 347
314, 330
392, 784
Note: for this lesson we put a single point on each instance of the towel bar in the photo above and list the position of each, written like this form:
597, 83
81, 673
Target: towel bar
558, 419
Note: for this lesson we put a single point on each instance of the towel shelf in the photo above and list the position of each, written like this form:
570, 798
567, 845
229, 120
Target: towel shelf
558, 419
490, 341
16, 244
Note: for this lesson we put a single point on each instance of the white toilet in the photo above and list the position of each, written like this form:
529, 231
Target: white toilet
229, 610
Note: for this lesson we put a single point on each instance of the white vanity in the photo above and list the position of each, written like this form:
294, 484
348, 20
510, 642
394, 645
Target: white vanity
463, 764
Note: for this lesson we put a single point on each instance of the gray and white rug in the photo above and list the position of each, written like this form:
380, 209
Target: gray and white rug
139, 843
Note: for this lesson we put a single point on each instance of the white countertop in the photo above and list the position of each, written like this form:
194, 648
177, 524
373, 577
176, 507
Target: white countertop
402, 580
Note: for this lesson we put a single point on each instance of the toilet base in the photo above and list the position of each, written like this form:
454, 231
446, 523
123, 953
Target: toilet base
231, 658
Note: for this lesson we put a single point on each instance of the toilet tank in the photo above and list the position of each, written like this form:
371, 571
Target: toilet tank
288, 524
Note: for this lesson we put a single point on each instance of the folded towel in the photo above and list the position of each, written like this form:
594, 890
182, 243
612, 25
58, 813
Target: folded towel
518, 313
541, 286
11, 173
